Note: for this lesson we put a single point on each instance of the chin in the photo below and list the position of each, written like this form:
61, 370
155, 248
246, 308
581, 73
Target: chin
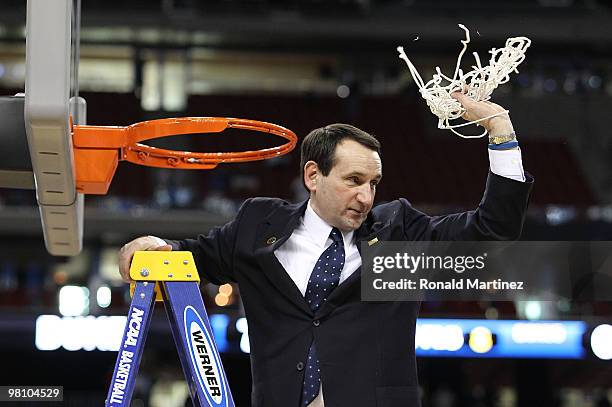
350, 225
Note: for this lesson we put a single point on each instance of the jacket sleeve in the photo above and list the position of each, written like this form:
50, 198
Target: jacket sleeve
214, 252
499, 216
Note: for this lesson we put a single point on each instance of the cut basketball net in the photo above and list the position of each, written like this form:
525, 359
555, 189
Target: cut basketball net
478, 84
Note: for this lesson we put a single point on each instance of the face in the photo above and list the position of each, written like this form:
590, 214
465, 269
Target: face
345, 196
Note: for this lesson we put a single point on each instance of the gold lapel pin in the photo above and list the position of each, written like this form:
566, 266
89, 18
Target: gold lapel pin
271, 240
373, 241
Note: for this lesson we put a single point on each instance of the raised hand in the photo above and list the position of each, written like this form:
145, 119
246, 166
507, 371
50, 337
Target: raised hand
496, 126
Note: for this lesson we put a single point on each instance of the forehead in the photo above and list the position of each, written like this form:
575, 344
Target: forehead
352, 156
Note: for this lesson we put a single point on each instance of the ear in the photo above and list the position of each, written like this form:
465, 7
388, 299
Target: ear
311, 174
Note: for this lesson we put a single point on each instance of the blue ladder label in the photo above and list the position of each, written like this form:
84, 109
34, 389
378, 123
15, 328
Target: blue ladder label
196, 345
205, 357
132, 346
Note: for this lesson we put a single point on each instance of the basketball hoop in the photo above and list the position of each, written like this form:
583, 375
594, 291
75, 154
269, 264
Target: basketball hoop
98, 149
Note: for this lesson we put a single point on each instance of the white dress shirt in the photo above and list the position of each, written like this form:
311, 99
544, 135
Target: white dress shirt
310, 238
299, 254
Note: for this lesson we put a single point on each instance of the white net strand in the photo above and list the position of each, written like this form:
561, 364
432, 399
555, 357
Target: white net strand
477, 84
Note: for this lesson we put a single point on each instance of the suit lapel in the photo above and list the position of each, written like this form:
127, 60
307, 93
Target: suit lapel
271, 234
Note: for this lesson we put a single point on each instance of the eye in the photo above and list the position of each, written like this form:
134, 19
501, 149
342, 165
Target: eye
354, 180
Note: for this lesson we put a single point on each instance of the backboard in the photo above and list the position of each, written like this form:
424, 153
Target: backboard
42, 117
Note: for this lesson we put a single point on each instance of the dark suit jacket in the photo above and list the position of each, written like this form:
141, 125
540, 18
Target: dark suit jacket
366, 350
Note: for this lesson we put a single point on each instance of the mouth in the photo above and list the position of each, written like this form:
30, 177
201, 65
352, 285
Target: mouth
356, 212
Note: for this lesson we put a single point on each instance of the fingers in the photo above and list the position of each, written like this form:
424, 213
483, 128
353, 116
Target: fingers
467, 103
475, 110
458, 95
142, 243
125, 258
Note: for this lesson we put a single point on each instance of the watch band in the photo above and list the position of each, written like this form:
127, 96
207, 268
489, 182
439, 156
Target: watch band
504, 146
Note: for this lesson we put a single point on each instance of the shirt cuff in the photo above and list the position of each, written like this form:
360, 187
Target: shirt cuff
507, 163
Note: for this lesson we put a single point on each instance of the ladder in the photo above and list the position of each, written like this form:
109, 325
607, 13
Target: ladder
170, 277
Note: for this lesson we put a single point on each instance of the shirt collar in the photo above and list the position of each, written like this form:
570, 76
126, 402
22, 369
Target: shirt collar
318, 230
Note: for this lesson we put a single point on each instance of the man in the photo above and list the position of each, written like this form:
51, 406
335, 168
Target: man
313, 342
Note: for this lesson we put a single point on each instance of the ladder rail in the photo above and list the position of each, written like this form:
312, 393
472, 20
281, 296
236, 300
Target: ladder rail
135, 333
170, 277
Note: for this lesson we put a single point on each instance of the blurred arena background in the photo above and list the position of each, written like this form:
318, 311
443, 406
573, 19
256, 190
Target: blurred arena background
303, 64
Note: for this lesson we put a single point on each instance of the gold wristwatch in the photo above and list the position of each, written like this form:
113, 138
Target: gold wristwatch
504, 138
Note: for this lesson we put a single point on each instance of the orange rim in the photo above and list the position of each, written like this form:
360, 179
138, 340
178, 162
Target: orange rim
128, 139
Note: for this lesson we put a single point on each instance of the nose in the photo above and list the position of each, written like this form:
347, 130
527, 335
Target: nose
365, 195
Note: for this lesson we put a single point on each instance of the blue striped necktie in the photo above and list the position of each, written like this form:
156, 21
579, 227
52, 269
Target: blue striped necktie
324, 278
